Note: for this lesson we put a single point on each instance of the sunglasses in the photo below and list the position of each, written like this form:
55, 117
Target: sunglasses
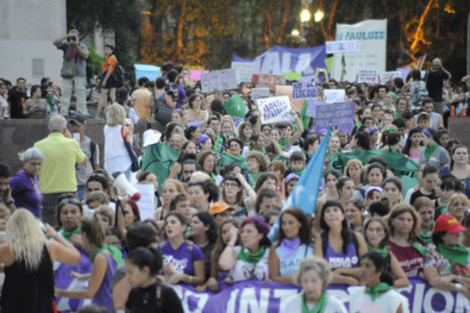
69, 200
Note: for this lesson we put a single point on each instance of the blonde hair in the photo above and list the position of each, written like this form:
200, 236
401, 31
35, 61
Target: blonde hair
26, 238
316, 264
115, 115
107, 212
94, 230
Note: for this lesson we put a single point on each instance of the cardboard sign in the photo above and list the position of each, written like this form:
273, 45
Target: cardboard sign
244, 71
146, 204
305, 90
195, 74
337, 114
368, 76
334, 95
312, 107
219, 80
271, 81
287, 91
257, 93
274, 109
333, 47
292, 76
386, 76
235, 106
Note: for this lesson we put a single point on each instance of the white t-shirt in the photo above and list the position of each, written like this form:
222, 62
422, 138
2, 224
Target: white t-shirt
294, 304
389, 302
248, 271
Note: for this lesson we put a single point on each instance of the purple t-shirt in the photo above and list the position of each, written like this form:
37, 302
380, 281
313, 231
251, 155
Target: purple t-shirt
181, 257
341, 260
103, 296
26, 194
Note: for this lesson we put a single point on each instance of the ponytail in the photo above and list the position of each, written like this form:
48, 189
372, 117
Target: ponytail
148, 257
94, 230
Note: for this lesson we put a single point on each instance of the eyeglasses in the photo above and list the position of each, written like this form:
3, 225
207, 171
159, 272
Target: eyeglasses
69, 200
231, 185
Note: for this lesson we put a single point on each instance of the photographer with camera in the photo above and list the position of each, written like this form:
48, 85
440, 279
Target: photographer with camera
73, 71
162, 103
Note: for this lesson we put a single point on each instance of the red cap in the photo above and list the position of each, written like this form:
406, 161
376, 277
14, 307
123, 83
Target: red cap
448, 224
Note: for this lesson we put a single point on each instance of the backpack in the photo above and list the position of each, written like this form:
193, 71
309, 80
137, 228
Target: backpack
118, 75
420, 92
161, 111
324, 242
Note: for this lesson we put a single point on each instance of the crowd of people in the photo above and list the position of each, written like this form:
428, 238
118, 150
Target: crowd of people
224, 185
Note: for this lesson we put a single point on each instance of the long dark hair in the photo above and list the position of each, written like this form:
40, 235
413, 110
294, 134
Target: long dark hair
381, 265
346, 233
304, 231
406, 149
148, 257
209, 221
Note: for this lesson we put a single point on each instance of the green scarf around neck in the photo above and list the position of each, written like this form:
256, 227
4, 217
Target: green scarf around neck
374, 292
218, 145
428, 151
392, 149
426, 236
420, 248
457, 254
383, 251
252, 258
283, 144
68, 235
318, 308
252, 179
116, 254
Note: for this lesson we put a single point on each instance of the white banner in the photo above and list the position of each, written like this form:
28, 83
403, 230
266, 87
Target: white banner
372, 37
368, 76
244, 71
257, 93
274, 109
333, 47
386, 76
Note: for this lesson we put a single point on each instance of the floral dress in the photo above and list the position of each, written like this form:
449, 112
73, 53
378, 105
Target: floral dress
443, 265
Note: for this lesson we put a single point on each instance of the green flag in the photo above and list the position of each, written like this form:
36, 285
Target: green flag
235, 106
329, 63
402, 167
227, 158
159, 159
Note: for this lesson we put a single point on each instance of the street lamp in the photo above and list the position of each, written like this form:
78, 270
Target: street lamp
318, 15
295, 32
305, 16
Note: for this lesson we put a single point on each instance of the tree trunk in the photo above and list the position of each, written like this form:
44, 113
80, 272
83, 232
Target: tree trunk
284, 21
179, 32
419, 36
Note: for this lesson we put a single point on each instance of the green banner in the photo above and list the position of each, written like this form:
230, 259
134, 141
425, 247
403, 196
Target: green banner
402, 167
159, 159
292, 75
235, 106
329, 64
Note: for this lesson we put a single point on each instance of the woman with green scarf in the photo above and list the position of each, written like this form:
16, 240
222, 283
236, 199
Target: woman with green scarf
433, 153
105, 259
313, 276
378, 294
425, 208
447, 265
394, 143
377, 237
250, 261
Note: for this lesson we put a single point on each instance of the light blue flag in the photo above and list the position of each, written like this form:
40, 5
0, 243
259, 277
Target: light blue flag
305, 194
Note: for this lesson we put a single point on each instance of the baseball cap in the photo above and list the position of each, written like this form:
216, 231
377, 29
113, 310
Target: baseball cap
78, 119
220, 207
121, 94
448, 224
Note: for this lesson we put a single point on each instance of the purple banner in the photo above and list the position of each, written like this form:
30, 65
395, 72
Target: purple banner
267, 297
337, 114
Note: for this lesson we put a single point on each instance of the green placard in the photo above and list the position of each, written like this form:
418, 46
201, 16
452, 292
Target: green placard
329, 64
235, 106
292, 75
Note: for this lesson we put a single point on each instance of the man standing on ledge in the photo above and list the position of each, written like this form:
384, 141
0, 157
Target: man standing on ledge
73, 71
58, 170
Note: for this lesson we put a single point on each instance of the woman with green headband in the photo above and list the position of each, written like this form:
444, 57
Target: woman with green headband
313, 276
390, 100
377, 295
447, 265
377, 237
433, 153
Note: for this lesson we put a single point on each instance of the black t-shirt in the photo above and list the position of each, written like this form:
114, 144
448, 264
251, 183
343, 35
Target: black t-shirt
17, 100
435, 81
143, 300
415, 195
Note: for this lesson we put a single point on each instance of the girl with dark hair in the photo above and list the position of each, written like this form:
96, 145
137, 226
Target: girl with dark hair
355, 214
360, 141
339, 245
150, 178
48, 97
203, 194
377, 237
188, 151
142, 266
394, 143
196, 112
36, 107
331, 177
250, 260
433, 153
268, 180
208, 163
203, 231
459, 166
183, 262
105, 259
393, 189
414, 147
238, 193
257, 142
345, 189
444, 140
192, 133
245, 131
108, 85
293, 245
373, 137
377, 295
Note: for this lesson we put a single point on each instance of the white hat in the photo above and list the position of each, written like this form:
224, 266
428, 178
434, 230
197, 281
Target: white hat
151, 137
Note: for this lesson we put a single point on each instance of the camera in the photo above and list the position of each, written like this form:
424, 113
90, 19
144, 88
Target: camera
173, 92
73, 38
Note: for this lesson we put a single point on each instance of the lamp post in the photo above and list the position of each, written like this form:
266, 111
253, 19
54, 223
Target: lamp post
318, 16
